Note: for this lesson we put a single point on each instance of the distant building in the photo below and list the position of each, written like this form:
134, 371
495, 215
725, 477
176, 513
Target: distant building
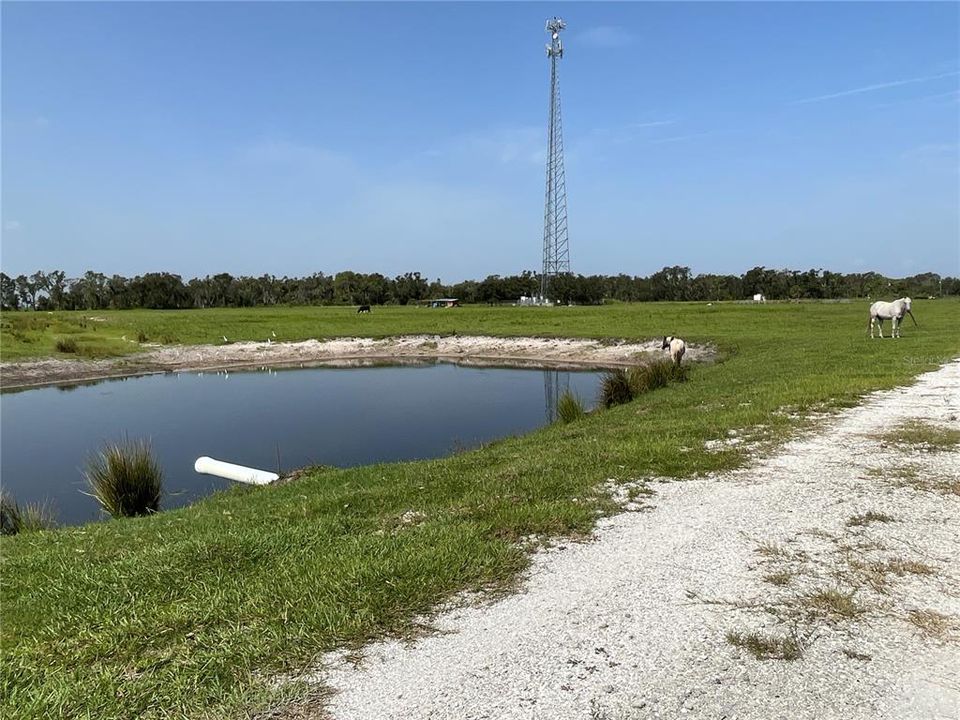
442, 303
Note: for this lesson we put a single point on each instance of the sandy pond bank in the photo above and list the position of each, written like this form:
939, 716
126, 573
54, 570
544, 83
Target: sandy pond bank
345, 352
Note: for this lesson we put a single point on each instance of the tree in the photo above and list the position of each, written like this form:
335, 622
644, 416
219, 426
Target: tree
671, 283
37, 284
22, 284
56, 284
9, 299
409, 287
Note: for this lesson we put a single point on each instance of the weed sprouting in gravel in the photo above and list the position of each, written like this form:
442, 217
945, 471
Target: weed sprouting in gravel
780, 578
855, 655
925, 435
833, 602
766, 647
931, 623
867, 518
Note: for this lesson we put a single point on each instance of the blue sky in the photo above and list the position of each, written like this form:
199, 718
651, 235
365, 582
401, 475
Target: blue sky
292, 138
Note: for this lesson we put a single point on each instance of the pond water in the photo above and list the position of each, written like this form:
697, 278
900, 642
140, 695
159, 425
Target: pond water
326, 416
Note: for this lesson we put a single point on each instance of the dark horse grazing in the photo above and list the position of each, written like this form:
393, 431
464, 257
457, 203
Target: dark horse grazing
363, 308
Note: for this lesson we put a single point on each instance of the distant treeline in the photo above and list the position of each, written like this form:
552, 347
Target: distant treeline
95, 291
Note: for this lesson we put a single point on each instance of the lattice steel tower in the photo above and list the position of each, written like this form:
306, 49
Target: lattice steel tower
556, 243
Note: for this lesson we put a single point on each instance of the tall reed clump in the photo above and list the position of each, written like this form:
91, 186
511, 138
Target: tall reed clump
615, 388
32, 516
621, 386
655, 375
126, 479
67, 345
570, 408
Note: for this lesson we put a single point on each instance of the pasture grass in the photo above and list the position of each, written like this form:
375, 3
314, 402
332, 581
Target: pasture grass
193, 612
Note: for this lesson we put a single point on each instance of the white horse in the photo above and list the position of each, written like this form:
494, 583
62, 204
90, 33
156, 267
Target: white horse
893, 311
677, 348
759, 298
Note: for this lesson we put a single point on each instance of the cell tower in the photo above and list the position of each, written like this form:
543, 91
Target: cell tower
556, 243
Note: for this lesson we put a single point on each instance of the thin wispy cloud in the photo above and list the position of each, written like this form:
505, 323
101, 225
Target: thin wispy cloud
949, 93
872, 88
680, 138
507, 145
12, 225
949, 98
605, 36
933, 150
655, 123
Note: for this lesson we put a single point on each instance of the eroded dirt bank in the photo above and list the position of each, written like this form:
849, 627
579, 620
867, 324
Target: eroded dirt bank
344, 352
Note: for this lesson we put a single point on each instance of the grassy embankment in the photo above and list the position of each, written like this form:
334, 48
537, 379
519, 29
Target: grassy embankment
192, 611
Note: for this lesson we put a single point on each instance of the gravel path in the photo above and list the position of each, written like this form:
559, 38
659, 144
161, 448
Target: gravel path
636, 624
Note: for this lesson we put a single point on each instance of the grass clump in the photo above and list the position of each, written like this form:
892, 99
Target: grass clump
912, 476
779, 579
766, 647
655, 375
126, 479
31, 517
908, 566
618, 387
570, 408
930, 622
67, 345
834, 602
925, 435
768, 548
867, 518
615, 388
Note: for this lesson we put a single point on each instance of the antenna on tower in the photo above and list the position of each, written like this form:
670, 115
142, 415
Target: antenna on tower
556, 243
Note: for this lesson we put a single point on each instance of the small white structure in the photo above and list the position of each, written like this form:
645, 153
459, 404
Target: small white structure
677, 348
238, 473
759, 298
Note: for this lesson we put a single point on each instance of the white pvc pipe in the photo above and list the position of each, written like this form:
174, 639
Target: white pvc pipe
239, 473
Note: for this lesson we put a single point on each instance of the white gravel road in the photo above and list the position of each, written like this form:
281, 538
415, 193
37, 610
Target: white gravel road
634, 624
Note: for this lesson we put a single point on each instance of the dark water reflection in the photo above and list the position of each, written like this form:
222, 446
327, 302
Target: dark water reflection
310, 416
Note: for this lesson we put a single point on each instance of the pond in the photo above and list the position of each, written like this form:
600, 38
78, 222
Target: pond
325, 416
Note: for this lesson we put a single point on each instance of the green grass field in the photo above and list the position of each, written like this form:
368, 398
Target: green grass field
27, 335
190, 613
